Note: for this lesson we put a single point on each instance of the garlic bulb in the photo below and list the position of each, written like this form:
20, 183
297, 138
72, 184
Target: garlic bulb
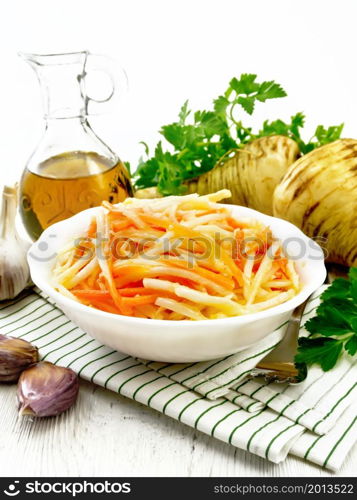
14, 270
15, 356
46, 390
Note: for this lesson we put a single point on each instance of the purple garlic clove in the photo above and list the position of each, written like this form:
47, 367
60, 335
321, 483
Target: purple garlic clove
46, 390
15, 356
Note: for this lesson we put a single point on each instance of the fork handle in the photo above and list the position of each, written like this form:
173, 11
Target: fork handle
288, 368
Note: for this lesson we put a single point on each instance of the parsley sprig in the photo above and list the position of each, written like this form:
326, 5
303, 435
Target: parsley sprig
198, 140
334, 328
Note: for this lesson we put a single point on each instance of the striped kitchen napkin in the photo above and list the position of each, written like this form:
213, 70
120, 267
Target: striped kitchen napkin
315, 420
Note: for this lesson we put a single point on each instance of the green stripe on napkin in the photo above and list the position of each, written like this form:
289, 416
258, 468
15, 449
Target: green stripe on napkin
315, 420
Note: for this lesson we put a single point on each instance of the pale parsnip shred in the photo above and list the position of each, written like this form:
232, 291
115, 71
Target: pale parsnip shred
183, 265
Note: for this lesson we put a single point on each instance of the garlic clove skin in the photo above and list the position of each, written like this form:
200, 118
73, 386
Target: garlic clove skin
46, 390
14, 269
15, 356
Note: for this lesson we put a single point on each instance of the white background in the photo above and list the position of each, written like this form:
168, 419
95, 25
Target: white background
174, 50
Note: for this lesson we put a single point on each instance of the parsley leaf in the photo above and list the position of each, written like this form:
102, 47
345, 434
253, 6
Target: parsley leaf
198, 140
326, 135
322, 136
220, 106
245, 85
247, 104
270, 90
323, 351
351, 345
340, 290
334, 328
184, 112
248, 91
353, 276
293, 128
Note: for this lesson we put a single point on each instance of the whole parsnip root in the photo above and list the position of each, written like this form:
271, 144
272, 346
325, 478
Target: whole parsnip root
319, 195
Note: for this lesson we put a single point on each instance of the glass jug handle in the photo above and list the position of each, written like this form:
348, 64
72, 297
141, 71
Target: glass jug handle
102, 95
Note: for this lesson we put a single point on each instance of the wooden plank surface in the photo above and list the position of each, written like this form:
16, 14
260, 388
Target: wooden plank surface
109, 435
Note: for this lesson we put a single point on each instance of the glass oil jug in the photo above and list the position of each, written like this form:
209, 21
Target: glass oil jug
71, 169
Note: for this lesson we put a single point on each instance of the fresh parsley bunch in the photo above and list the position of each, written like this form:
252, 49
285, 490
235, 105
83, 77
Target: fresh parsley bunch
199, 140
334, 328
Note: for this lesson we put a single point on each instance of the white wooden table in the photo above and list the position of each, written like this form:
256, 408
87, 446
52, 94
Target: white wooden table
109, 435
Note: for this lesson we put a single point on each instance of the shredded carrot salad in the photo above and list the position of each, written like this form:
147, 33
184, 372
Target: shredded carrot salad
176, 258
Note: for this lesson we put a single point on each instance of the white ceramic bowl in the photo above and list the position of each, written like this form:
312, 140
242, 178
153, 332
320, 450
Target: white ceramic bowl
177, 341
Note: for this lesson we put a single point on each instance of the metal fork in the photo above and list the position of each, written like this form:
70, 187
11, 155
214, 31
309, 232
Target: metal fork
278, 365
